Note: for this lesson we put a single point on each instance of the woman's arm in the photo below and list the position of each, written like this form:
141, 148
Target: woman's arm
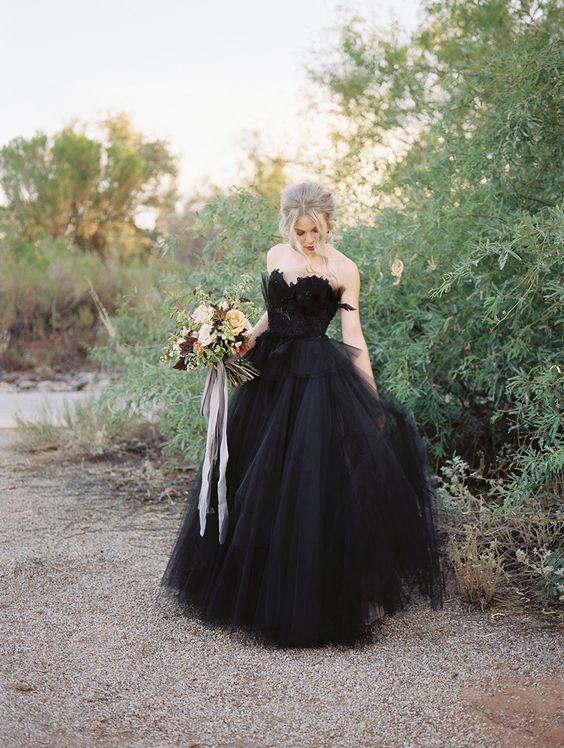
257, 330
351, 326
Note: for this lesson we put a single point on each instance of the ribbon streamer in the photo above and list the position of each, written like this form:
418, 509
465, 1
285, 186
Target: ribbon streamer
214, 405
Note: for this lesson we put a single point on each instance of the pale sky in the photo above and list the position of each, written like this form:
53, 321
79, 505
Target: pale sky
197, 74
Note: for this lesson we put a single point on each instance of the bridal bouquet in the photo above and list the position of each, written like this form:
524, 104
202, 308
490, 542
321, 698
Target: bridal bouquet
211, 335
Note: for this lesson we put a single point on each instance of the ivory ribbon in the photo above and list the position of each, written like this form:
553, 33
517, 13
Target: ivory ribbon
214, 405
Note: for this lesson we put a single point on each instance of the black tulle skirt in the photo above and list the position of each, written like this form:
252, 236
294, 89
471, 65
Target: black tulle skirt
331, 501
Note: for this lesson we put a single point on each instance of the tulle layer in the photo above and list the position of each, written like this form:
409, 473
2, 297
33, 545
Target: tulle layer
331, 504
280, 357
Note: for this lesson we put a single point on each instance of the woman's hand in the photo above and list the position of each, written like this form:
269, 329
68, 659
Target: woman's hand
245, 347
241, 351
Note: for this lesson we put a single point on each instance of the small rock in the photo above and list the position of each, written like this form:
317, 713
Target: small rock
8, 388
60, 386
21, 685
82, 380
44, 371
46, 385
26, 384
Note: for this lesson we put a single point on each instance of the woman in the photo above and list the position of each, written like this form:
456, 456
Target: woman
329, 491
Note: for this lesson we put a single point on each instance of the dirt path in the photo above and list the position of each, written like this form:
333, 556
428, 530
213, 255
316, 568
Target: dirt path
90, 658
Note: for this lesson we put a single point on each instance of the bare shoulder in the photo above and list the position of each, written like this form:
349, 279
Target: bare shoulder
273, 256
281, 255
347, 271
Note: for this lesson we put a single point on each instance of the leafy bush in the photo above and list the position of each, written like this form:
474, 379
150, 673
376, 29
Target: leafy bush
51, 290
468, 338
501, 552
239, 226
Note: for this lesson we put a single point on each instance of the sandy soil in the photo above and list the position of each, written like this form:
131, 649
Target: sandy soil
91, 657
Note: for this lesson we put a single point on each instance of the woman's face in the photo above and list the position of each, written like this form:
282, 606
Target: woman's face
307, 233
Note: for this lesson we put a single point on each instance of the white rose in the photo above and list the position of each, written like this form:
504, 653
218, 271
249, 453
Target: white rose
207, 334
203, 313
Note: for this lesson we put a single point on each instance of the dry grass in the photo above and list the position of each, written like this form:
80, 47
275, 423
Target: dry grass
503, 555
88, 428
478, 567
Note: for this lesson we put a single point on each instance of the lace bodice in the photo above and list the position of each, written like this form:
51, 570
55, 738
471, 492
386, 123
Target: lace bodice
304, 307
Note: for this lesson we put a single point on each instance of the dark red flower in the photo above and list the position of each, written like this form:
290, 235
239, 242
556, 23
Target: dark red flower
187, 345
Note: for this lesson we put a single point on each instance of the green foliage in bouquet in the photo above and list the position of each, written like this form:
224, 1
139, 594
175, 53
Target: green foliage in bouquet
209, 332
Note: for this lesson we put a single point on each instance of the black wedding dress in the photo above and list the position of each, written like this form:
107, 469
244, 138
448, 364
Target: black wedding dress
331, 501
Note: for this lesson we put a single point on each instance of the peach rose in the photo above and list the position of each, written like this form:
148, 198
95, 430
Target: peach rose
237, 320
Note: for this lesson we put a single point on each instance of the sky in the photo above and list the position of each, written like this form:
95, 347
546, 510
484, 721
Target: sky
199, 75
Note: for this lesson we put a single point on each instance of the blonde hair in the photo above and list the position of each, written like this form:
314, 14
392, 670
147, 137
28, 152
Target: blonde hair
313, 200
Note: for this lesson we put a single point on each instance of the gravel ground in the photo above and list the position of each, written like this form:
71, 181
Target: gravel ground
91, 656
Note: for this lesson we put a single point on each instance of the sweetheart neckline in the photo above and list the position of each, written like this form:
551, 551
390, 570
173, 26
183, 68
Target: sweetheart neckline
290, 284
